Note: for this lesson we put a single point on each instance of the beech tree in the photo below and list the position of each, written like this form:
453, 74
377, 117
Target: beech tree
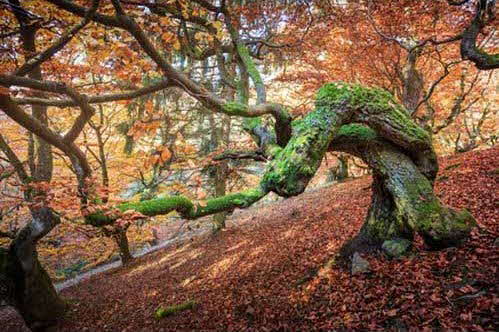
366, 122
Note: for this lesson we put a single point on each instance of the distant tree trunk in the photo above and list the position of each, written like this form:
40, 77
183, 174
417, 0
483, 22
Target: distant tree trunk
340, 171
219, 133
220, 190
412, 82
121, 239
102, 159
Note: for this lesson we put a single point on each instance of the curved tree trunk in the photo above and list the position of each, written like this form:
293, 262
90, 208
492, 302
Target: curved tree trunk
399, 152
403, 201
24, 283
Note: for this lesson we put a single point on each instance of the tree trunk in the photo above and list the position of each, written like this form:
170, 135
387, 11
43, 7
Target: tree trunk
403, 201
399, 152
412, 82
220, 189
340, 171
36, 297
122, 241
29, 286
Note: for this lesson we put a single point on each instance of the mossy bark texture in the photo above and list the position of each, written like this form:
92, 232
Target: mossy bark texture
365, 122
403, 201
184, 206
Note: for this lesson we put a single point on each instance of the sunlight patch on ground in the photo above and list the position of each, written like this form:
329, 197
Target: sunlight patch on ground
253, 254
188, 281
187, 257
291, 233
216, 270
257, 251
177, 264
159, 263
194, 253
240, 244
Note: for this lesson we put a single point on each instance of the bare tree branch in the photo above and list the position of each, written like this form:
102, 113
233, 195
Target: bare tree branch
469, 50
99, 98
58, 44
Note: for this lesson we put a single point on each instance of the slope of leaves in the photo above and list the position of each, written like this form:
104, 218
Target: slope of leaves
269, 270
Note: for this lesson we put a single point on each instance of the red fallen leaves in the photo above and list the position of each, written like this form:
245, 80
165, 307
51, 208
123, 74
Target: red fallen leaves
392, 313
263, 272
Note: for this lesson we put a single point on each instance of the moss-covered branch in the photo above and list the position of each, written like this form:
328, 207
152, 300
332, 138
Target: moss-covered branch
293, 167
173, 309
379, 110
184, 206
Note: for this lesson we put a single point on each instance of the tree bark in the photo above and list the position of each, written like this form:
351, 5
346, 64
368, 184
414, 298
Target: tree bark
403, 201
31, 290
220, 190
122, 241
412, 82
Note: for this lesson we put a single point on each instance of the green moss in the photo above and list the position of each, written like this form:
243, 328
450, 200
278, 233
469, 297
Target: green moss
376, 107
356, 97
397, 247
151, 207
235, 109
249, 124
99, 219
253, 72
356, 132
173, 309
242, 91
159, 206
272, 150
228, 202
489, 58
181, 204
293, 166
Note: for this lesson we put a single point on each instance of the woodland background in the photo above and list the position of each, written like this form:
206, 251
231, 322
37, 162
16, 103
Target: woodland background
143, 144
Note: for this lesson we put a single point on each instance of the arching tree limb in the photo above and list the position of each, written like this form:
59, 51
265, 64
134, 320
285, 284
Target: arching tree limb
184, 206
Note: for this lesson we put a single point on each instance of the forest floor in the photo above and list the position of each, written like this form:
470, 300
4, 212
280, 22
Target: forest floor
269, 270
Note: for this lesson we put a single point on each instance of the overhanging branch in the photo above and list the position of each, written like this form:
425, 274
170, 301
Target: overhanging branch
59, 44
